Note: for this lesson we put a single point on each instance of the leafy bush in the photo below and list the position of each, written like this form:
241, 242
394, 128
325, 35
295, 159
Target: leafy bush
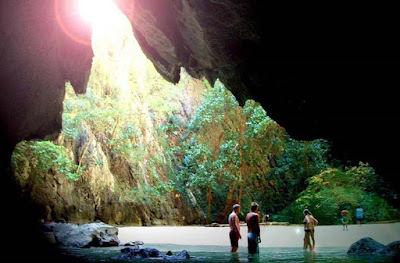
299, 161
333, 190
42, 156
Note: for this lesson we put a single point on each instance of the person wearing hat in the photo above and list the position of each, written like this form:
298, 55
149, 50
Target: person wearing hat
234, 224
345, 218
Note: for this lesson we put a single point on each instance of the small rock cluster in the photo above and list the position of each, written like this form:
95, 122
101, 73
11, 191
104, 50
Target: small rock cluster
103, 235
131, 253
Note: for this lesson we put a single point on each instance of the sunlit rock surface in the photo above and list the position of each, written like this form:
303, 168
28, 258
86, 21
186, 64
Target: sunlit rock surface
94, 196
208, 38
86, 235
43, 45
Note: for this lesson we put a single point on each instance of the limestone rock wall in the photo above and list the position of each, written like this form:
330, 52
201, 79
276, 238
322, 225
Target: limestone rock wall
93, 196
215, 39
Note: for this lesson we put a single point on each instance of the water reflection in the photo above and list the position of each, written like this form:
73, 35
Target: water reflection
254, 258
309, 256
234, 257
217, 254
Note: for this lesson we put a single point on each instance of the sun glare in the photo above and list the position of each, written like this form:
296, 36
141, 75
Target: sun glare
96, 10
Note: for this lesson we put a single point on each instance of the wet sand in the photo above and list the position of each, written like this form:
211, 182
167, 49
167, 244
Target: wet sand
272, 236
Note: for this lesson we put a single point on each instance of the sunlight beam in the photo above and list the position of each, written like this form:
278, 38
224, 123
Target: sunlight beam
96, 10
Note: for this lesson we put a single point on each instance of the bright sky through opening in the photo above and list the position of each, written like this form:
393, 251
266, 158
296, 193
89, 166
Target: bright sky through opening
97, 10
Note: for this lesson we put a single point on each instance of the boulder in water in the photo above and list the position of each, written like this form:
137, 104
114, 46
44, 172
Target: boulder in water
365, 246
368, 246
392, 249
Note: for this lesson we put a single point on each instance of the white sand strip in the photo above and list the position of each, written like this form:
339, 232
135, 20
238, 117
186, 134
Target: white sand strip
272, 236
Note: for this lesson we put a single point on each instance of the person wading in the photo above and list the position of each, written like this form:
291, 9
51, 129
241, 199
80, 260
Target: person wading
309, 228
234, 223
253, 228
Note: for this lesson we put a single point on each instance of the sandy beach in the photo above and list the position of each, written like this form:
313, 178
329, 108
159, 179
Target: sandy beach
272, 235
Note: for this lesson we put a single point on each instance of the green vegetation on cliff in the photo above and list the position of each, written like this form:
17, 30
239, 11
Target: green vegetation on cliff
219, 154
227, 151
334, 189
42, 157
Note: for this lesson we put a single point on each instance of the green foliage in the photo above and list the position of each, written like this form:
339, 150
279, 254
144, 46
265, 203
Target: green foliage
363, 176
227, 145
299, 161
42, 156
106, 116
218, 102
333, 190
100, 113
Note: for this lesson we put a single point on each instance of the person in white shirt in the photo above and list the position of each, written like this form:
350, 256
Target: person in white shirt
234, 224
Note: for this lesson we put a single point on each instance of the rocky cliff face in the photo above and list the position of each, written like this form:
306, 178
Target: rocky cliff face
111, 187
209, 38
44, 45
95, 195
112, 134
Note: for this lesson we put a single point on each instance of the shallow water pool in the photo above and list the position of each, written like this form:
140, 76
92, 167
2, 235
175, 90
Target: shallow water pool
223, 254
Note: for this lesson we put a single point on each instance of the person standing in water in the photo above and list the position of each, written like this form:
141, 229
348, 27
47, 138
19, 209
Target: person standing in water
266, 218
309, 229
234, 224
359, 215
253, 229
345, 218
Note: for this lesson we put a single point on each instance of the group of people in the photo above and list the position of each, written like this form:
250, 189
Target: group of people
346, 217
253, 227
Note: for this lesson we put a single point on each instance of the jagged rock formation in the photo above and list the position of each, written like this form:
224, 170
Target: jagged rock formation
208, 38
